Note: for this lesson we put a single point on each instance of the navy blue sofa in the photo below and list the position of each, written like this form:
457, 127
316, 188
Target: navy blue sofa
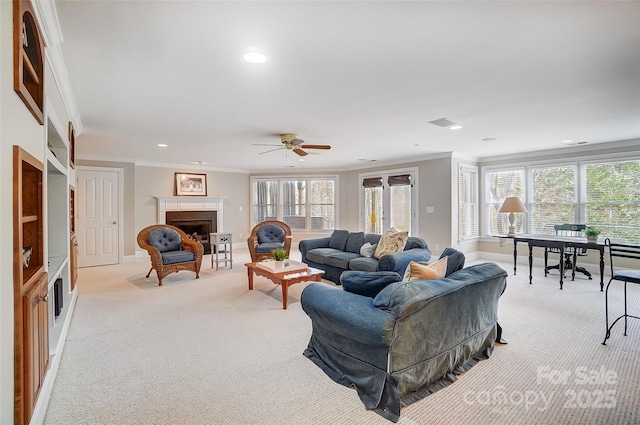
341, 251
406, 341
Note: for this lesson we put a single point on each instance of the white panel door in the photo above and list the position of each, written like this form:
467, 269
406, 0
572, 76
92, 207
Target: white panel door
98, 217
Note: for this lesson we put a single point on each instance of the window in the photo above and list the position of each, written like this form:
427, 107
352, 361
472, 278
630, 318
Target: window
388, 200
604, 194
612, 199
304, 203
553, 198
499, 185
467, 202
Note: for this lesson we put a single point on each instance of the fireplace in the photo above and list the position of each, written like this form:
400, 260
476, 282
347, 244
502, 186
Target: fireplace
196, 224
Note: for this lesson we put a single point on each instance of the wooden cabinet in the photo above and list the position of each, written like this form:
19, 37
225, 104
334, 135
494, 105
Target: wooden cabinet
28, 67
73, 260
30, 287
35, 310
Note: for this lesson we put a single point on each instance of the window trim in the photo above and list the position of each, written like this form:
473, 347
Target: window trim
467, 168
579, 162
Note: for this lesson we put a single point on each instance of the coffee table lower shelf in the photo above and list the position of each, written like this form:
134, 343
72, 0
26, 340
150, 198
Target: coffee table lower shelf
284, 279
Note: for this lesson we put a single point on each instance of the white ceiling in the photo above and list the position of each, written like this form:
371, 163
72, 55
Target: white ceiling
364, 77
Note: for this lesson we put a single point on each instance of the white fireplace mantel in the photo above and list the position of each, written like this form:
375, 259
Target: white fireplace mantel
190, 203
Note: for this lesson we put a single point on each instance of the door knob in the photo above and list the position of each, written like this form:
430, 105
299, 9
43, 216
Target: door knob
114, 222
45, 298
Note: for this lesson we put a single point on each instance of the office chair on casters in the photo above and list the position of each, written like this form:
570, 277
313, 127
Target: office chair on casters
570, 254
633, 276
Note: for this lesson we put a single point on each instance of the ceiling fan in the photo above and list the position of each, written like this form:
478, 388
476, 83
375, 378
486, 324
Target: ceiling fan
292, 142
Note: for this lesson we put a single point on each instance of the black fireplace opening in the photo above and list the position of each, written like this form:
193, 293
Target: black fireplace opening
196, 224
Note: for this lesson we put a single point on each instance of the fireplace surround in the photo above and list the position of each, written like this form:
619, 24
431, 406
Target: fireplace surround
197, 216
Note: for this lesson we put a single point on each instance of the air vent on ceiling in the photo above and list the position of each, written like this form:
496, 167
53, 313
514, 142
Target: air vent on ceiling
443, 122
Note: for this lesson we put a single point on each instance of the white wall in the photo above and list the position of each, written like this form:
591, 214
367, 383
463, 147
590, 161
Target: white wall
17, 127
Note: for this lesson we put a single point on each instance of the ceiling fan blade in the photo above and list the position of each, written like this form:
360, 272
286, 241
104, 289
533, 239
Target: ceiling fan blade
270, 150
296, 142
264, 144
326, 147
300, 152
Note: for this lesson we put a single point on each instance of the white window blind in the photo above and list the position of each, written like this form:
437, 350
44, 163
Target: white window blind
468, 202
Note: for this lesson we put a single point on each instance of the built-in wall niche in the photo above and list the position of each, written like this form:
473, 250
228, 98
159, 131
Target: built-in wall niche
28, 67
57, 146
57, 200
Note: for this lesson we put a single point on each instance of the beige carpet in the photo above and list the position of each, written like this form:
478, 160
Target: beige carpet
209, 351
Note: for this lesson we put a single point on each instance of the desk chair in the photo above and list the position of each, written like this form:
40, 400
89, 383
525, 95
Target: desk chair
570, 254
620, 251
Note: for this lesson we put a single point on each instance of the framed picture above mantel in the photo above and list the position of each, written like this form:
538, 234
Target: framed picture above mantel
188, 184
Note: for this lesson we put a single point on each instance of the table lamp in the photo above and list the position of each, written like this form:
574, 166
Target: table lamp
511, 205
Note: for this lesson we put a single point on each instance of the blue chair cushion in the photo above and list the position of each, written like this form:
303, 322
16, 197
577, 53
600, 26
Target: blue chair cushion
627, 275
165, 239
270, 233
267, 247
173, 257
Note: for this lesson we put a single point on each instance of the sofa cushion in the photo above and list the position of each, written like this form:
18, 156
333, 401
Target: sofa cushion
354, 242
341, 259
368, 249
173, 257
391, 241
364, 264
338, 239
367, 284
319, 255
165, 239
270, 233
417, 271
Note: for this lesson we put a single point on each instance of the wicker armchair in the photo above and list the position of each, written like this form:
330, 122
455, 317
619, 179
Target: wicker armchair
267, 236
170, 250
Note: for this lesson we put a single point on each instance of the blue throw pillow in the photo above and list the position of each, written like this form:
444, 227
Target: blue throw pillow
367, 284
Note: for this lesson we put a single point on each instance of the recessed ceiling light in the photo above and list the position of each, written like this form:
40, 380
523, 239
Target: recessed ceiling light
455, 127
489, 139
301, 159
566, 142
254, 57
162, 145
199, 163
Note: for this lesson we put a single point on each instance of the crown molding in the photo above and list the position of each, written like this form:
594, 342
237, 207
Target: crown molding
47, 16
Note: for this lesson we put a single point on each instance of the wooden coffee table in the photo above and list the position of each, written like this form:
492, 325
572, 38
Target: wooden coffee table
284, 279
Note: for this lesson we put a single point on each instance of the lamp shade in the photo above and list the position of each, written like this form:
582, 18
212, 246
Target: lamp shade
512, 204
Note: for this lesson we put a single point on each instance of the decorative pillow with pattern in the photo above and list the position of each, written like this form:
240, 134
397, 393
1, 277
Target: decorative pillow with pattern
417, 271
391, 241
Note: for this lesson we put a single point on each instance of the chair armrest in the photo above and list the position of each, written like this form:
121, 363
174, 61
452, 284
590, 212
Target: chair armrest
308, 244
346, 314
193, 246
398, 261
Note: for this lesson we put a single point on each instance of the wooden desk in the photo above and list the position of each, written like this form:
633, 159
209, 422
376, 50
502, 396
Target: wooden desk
561, 243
